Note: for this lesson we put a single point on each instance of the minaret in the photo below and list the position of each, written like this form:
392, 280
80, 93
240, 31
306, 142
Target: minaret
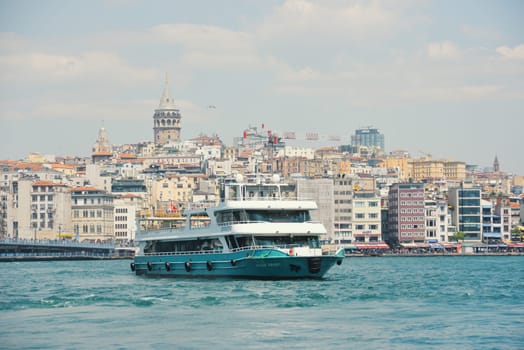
496, 165
166, 119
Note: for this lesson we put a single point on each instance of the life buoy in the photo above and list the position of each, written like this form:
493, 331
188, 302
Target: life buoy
233, 262
149, 266
209, 265
291, 252
133, 267
168, 266
187, 265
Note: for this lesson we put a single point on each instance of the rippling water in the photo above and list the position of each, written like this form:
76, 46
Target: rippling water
367, 303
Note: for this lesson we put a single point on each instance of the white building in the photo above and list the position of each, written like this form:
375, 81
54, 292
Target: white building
126, 207
436, 215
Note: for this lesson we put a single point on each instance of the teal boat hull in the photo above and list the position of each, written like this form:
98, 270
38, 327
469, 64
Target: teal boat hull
246, 264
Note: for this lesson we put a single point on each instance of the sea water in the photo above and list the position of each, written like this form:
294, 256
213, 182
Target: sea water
442, 302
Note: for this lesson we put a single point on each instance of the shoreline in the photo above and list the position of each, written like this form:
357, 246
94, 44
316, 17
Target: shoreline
59, 258
77, 258
431, 255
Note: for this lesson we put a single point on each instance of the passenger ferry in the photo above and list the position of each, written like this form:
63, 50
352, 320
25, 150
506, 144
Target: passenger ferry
258, 230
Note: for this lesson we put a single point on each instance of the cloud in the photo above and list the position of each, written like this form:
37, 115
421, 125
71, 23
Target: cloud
314, 21
443, 50
93, 71
513, 53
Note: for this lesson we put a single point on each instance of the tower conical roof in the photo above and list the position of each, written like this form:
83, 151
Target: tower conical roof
166, 101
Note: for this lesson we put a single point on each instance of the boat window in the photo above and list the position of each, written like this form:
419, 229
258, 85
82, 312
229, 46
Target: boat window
287, 241
231, 216
231, 241
279, 216
195, 245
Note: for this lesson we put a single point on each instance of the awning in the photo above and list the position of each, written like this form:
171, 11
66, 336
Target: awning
516, 245
349, 246
372, 246
436, 246
414, 245
450, 245
492, 235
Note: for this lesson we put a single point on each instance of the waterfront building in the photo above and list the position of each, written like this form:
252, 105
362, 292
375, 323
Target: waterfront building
366, 218
368, 136
166, 119
321, 191
515, 204
37, 209
406, 213
503, 210
93, 214
436, 216
343, 197
126, 208
466, 211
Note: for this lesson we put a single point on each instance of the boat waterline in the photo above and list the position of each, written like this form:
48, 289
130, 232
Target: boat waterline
253, 265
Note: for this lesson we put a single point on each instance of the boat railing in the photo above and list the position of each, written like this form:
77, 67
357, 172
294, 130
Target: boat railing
225, 226
193, 252
239, 222
220, 251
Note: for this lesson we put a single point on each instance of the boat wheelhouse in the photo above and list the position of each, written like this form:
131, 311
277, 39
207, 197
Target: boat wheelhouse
258, 230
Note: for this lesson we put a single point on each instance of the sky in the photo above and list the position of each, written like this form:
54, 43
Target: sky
439, 77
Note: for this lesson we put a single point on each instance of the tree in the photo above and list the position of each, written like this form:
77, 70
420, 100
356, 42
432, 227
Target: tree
516, 234
458, 236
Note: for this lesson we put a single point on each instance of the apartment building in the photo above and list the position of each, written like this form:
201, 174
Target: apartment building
93, 214
406, 213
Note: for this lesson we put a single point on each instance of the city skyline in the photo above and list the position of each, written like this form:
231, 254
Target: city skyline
442, 77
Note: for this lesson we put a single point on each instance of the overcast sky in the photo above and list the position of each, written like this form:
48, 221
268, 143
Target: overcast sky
439, 77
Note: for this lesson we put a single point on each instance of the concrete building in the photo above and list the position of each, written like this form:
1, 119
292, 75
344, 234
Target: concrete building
368, 136
366, 218
93, 214
406, 213
466, 211
343, 196
436, 216
321, 191
126, 208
